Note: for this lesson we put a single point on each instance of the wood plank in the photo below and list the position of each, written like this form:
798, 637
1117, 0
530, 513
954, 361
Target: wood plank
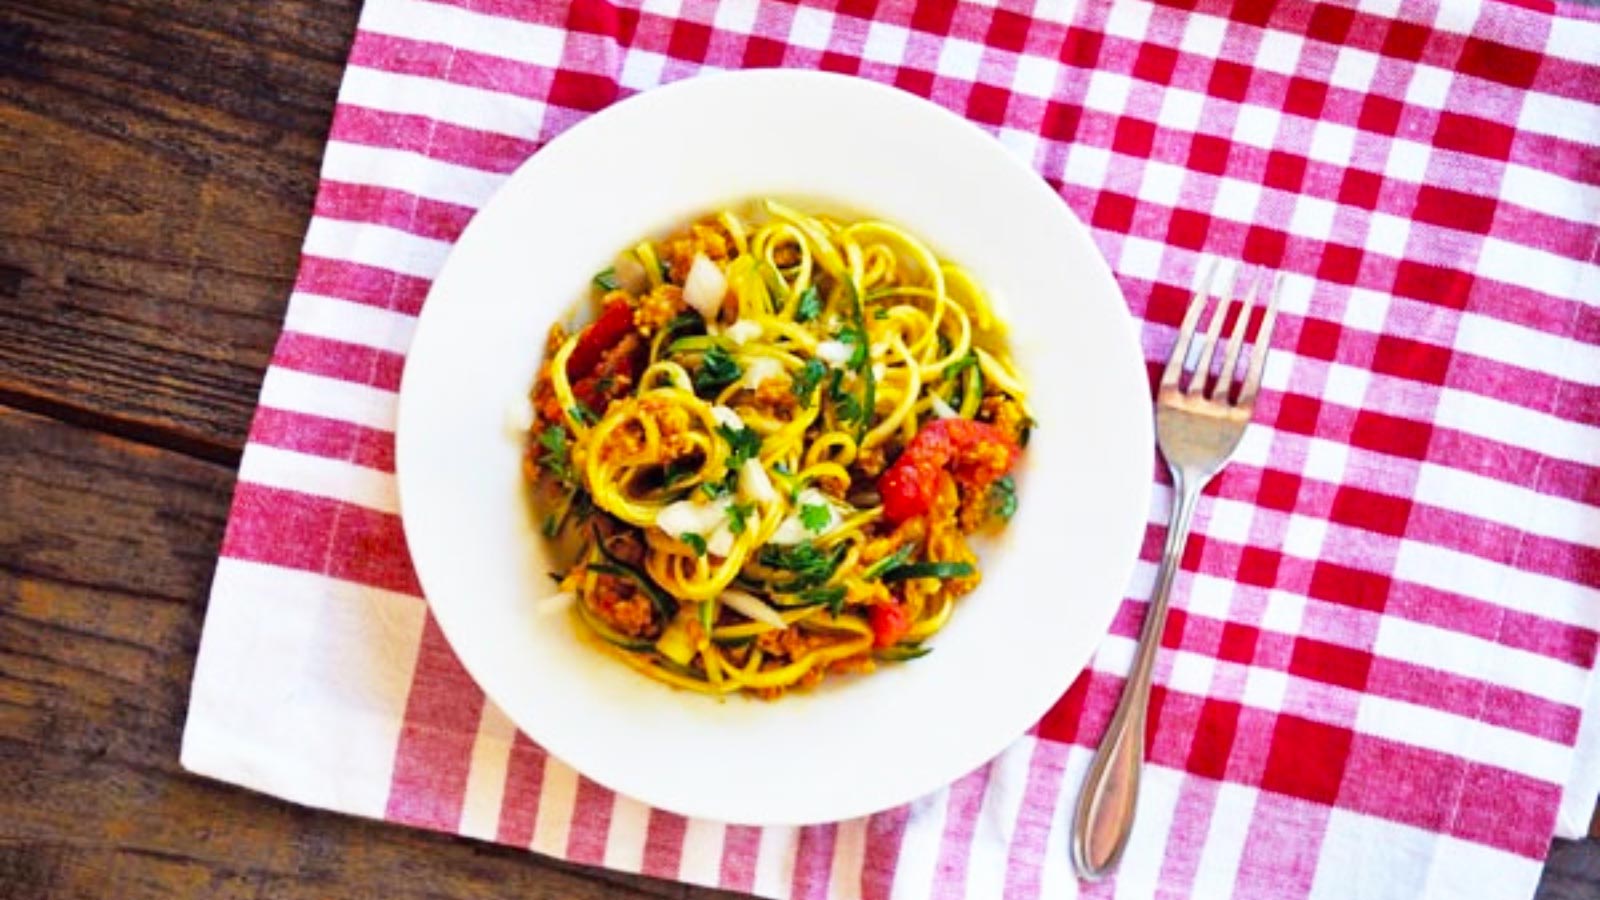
105, 560
157, 166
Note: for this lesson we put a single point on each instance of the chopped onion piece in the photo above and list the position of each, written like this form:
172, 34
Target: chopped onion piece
754, 483
742, 331
726, 416
688, 517
942, 409
705, 287
720, 543
760, 369
753, 607
835, 353
792, 531
630, 274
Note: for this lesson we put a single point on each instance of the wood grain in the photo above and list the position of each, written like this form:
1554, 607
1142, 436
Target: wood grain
105, 554
157, 166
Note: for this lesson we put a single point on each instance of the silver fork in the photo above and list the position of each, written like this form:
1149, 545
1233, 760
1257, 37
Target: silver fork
1197, 433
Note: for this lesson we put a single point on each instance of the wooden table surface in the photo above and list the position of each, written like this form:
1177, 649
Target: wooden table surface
158, 160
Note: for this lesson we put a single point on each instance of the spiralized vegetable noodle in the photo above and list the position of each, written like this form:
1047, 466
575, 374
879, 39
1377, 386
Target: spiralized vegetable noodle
765, 454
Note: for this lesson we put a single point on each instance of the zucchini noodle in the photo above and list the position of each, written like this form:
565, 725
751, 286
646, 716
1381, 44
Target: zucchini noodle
763, 457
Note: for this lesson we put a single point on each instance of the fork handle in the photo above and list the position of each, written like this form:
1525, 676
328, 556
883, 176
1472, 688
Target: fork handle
1104, 817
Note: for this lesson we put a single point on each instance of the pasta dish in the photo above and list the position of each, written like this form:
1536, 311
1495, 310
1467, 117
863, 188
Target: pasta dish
762, 458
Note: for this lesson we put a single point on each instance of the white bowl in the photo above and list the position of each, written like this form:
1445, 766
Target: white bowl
1051, 583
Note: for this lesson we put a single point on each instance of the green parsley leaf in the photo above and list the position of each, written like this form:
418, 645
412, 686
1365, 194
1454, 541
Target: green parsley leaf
552, 525
880, 314
743, 444
815, 516
1003, 497
738, 513
806, 381
961, 365
717, 370
606, 279
556, 457
929, 570
713, 489
810, 305
695, 542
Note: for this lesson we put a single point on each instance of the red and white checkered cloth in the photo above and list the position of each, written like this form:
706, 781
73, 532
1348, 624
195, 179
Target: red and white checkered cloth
1387, 623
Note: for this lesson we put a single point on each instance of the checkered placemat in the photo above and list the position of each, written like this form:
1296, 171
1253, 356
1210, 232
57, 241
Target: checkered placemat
1386, 624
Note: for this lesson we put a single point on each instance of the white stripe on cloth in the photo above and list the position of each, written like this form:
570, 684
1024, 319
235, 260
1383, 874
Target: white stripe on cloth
849, 852
702, 852
404, 170
1496, 420
378, 246
486, 779
987, 862
528, 42
916, 872
320, 477
558, 795
774, 868
1462, 654
1512, 588
442, 101
330, 398
630, 824
301, 684
352, 323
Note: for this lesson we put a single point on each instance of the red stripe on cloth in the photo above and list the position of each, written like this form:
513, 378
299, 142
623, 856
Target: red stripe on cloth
359, 283
740, 846
813, 862
338, 359
960, 826
434, 756
1273, 866
886, 831
591, 823
663, 844
314, 534
444, 141
519, 806
1042, 806
396, 209
328, 438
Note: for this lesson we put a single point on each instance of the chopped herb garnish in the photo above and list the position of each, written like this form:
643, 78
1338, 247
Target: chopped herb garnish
1003, 497
606, 279
806, 381
832, 597
743, 444
929, 570
847, 408
815, 516
557, 456
738, 513
902, 652
1026, 434
552, 525
717, 370
714, 489
782, 468
810, 305
810, 565
880, 314
582, 413
695, 542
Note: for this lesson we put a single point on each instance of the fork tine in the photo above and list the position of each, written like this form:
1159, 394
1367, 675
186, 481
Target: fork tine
1202, 369
1230, 359
1180, 349
1258, 353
